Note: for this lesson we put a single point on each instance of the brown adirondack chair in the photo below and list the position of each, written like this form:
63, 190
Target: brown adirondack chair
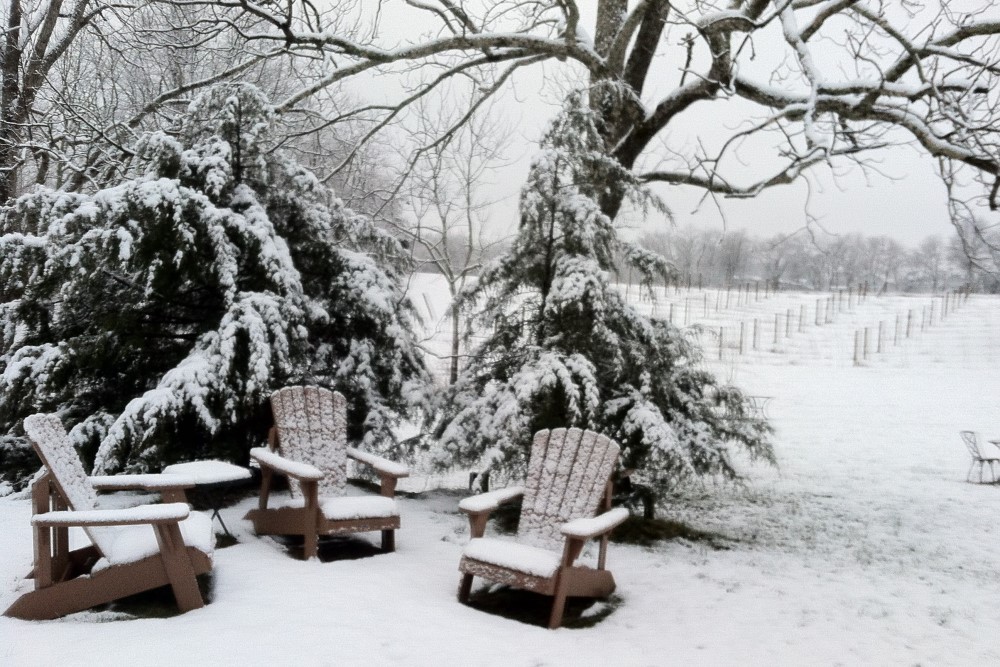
569, 479
308, 444
133, 550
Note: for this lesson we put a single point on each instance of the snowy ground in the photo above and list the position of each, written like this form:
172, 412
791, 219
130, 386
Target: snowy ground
866, 546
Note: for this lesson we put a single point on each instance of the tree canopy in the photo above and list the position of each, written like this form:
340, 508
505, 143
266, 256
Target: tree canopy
157, 315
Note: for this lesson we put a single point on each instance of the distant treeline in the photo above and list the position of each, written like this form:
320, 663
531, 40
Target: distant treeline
712, 258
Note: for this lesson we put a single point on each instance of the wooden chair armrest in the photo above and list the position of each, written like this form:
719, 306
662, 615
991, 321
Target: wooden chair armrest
143, 514
479, 507
300, 471
154, 482
589, 528
484, 503
384, 467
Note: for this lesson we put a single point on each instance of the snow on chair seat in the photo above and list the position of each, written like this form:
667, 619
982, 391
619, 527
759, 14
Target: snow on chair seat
308, 444
128, 544
141, 548
345, 507
525, 558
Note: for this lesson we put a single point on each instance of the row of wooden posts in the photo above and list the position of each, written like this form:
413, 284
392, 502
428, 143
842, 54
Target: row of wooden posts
950, 301
825, 313
751, 292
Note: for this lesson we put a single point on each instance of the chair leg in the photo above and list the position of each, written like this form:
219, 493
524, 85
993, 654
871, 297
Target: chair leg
465, 588
388, 540
558, 601
177, 564
968, 475
980, 472
310, 547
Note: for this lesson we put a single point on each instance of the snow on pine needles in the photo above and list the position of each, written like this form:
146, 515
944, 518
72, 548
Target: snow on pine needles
865, 545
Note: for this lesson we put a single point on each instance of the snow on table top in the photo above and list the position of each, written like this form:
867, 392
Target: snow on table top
209, 472
521, 557
490, 500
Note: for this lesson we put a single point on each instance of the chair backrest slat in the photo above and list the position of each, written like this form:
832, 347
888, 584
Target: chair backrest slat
48, 436
567, 475
312, 428
971, 443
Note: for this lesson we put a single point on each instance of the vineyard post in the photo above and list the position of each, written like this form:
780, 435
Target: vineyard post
819, 303
880, 327
802, 317
857, 347
777, 326
756, 337
865, 354
909, 322
742, 334
722, 340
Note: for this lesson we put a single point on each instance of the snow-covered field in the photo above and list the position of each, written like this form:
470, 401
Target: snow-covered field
866, 546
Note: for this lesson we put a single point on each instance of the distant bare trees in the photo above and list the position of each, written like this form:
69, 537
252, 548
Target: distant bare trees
798, 261
448, 199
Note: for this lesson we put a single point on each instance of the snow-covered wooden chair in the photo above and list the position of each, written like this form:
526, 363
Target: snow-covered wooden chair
979, 456
568, 481
133, 550
308, 444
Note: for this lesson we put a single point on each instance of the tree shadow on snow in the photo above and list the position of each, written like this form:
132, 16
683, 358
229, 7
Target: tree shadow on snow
329, 549
534, 608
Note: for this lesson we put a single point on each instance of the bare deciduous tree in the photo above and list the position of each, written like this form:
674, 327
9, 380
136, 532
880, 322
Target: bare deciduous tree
450, 195
805, 83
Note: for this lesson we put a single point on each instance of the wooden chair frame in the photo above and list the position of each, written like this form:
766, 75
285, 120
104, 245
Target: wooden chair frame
308, 520
64, 579
569, 580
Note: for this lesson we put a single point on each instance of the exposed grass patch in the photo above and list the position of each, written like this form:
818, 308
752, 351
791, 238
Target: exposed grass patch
331, 548
647, 532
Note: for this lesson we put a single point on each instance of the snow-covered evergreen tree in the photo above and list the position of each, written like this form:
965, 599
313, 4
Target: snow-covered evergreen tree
564, 348
157, 316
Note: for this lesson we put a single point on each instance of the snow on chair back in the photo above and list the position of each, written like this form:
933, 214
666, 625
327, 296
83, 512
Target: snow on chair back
53, 446
567, 476
312, 428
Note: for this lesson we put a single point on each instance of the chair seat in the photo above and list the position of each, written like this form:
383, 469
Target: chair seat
345, 508
127, 544
513, 555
